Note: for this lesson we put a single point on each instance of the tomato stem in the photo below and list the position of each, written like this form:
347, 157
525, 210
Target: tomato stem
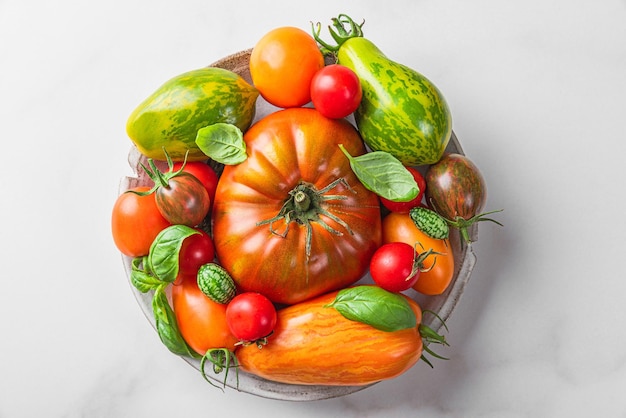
302, 201
160, 179
430, 336
223, 360
463, 224
340, 33
305, 205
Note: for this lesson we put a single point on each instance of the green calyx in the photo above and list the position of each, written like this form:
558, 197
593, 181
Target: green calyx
430, 336
463, 224
344, 29
222, 360
160, 179
304, 206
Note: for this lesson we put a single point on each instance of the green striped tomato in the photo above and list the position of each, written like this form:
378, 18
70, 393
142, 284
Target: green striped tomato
401, 111
173, 114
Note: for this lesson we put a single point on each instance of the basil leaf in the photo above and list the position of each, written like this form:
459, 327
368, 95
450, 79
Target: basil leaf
375, 306
223, 143
164, 251
383, 174
140, 278
166, 324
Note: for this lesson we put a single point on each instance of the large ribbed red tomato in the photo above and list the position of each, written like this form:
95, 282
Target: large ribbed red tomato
293, 221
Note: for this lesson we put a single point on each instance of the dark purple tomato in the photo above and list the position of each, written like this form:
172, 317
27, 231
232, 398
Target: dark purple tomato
455, 187
184, 200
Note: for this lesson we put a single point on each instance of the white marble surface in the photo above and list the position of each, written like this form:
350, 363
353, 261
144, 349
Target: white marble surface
537, 92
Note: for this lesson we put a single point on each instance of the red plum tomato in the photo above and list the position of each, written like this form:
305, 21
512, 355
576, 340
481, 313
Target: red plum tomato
197, 250
405, 207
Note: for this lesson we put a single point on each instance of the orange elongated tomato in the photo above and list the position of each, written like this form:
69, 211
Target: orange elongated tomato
314, 344
438, 270
202, 322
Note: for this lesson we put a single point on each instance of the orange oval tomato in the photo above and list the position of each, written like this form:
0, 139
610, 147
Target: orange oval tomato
399, 227
135, 222
314, 344
282, 65
201, 321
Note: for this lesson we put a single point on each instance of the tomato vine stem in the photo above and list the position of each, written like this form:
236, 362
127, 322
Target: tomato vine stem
223, 360
306, 205
340, 34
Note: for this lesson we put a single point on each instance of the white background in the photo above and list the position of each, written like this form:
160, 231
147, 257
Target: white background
536, 90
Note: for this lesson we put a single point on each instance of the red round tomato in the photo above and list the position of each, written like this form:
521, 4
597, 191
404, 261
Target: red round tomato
293, 220
197, 250
203, 172
394, 266
336, 91
135, 222
282, 65
405, 207
184, 200
201, 321
437, 270
251, 316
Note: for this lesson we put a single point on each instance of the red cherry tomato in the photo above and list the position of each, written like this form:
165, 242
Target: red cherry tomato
203, 172
251, 316
405, 207
336, 91
197, 250
393, 266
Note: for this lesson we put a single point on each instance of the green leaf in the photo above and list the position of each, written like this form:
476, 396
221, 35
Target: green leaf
166, 324
375, 306
383, 174
141, 278
164, 251
223, 143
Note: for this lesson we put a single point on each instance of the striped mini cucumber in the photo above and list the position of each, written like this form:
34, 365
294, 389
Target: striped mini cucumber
215, 282
172, 115
401, 112
430, 222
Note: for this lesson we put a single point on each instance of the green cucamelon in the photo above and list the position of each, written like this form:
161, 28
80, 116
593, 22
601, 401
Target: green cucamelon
215, 282
430, 222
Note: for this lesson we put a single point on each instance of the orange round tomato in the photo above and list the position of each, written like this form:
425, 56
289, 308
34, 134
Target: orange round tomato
201, 321
135, 222
439, 269
282, 65
293, 221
